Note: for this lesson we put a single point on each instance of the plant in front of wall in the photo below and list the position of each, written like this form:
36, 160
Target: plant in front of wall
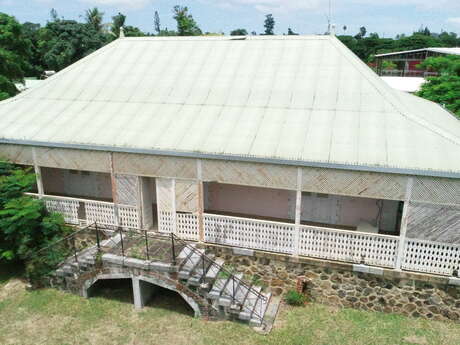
295, 298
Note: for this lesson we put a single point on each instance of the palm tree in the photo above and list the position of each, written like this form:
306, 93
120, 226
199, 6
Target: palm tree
94, 18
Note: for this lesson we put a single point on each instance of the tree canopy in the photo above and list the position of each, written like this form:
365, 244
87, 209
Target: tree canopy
15, 52
269, 25
186, 25
444, 89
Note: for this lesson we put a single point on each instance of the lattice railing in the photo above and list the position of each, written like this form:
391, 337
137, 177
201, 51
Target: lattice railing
165, 222
249, 233
68, 208
84, 211
187, 226
431, 257
348, 246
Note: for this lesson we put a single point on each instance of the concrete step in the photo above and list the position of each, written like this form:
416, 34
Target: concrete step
232, 287
259, 311
249, 303
218, 286
192, 261
214, 270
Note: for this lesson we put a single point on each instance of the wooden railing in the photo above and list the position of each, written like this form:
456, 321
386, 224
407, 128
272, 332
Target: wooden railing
85, 211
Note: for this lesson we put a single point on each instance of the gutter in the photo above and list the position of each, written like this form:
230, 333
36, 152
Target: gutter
252, 159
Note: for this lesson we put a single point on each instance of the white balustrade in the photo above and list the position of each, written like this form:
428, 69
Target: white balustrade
91, 211
348, 246
431, 257
249, 233
187, 226
68, 209
317, 242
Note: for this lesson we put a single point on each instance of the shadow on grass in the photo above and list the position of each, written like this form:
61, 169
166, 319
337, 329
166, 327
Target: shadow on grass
9, 270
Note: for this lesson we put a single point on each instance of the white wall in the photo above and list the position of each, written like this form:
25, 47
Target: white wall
77, 183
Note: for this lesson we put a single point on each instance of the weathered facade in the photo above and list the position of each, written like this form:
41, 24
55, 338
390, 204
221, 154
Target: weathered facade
340, 169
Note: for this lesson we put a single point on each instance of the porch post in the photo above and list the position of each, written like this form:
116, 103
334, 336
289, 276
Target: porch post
199, 176
298, 210
113, 180
173, 205
38, 174
146, 201
403, 230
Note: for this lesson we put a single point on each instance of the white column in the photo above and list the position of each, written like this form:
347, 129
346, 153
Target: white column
200, 208
114, 190
173, 205
403, 229
298, 210
38, 175
146, 201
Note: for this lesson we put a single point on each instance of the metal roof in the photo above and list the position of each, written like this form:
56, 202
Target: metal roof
406, 84
448, 51
303, 100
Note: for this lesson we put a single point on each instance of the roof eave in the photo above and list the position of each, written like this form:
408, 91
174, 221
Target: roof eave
253, 159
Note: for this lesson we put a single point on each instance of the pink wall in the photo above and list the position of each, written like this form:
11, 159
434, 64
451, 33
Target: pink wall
264, 202
78, 184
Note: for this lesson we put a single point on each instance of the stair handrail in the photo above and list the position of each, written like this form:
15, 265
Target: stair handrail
73, 234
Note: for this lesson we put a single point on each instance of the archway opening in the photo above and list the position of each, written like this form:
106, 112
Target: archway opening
114, 289
169, 300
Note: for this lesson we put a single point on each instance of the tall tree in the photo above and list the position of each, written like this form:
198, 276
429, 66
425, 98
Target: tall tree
54, 15
269, 24
186, 25
291, 33
156, 23
117, 22
239, 32
14, 55
94, 18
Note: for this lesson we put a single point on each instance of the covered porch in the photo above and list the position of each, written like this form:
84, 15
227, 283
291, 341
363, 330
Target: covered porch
358, 230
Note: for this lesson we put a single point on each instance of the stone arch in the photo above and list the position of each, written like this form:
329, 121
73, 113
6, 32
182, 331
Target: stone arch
161, 283
136, 288
91, 281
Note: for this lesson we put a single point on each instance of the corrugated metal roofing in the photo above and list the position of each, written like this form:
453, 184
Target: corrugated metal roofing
299, 99
448, 51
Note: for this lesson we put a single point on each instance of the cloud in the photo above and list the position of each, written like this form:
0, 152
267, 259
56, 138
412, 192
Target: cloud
130, 4
454, 20
277, 6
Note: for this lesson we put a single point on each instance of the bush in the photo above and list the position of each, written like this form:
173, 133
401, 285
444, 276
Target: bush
293, 297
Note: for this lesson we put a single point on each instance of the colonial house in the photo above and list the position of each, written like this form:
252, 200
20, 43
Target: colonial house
289, 145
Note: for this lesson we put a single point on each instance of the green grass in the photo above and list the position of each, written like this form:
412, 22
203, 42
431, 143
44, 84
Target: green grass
53, 317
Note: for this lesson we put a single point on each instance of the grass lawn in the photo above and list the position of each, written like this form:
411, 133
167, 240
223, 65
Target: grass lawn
51, 317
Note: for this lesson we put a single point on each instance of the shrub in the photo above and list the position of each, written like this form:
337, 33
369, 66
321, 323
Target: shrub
293, 297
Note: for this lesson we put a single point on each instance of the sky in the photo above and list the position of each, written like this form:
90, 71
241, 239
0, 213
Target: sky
388, 17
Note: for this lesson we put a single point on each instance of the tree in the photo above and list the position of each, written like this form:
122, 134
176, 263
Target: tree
64, 42
444, 89
156, 23
290, 32
117, 22
25, 225
93, 18
14, 55
239, 32
269, 24
186, 25
132, 31
54, 15
362, 33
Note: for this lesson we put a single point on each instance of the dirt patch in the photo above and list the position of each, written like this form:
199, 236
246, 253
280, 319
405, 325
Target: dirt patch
13, 287
413, 339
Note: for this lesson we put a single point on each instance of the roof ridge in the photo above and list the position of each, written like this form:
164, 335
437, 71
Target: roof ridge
390, 95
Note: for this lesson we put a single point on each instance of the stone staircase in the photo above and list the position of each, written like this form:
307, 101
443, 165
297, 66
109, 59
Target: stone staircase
228, 294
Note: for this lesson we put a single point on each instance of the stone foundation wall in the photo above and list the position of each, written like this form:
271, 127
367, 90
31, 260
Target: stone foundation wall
339, 284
